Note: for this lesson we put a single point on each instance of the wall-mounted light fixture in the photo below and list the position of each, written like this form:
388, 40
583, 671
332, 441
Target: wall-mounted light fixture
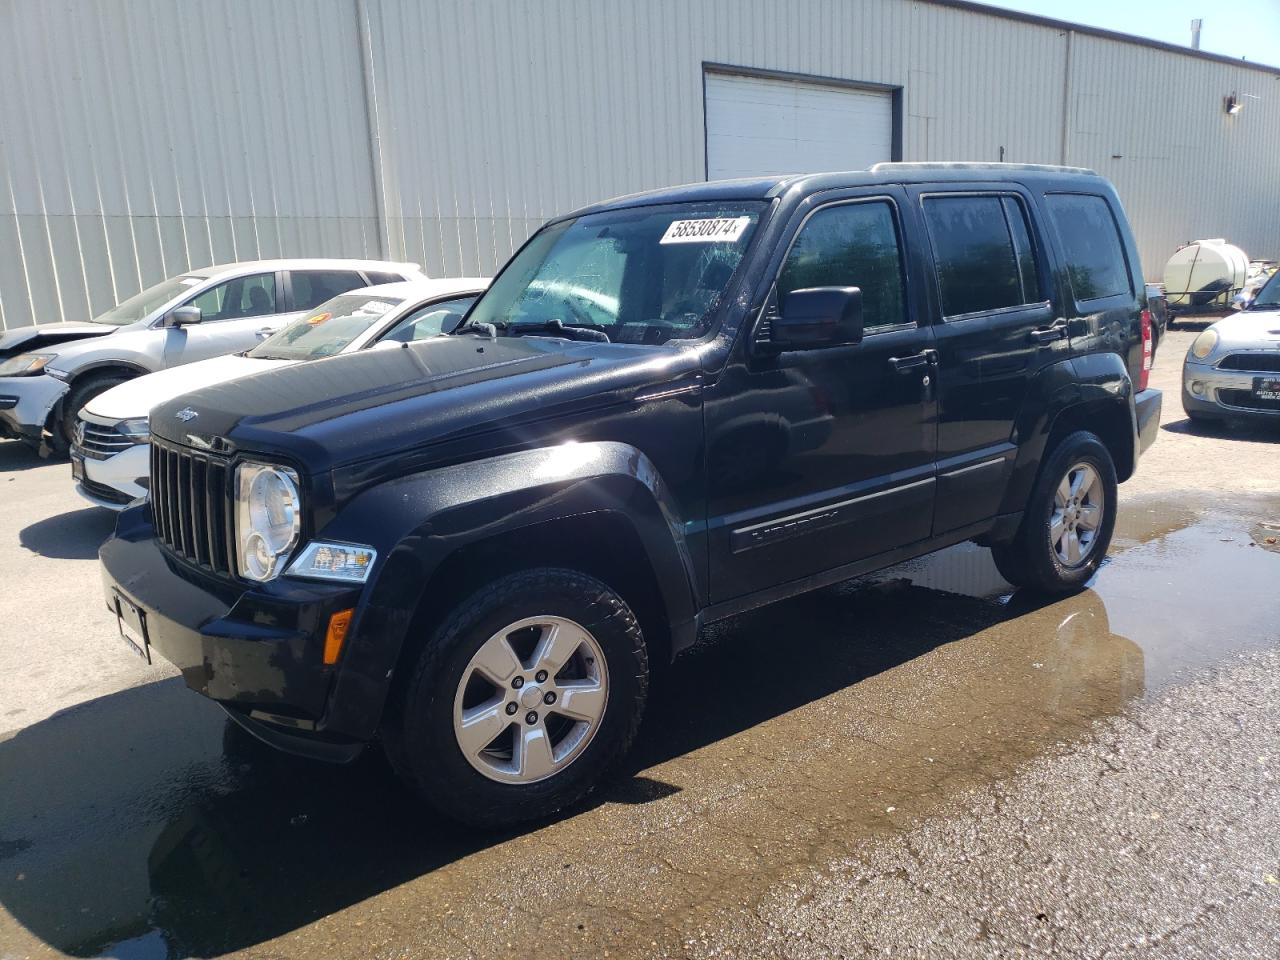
1233, 104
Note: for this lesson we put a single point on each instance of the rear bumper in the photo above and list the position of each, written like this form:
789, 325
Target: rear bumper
25, 405
256, 651
1146, 408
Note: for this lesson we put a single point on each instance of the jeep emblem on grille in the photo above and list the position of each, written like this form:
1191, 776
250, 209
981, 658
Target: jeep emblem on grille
185, 414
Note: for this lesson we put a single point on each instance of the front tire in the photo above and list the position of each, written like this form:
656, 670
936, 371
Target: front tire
62, 429
1068, 522
566, 652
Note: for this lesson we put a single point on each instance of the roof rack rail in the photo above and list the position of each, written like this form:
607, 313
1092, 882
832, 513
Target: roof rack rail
889, 167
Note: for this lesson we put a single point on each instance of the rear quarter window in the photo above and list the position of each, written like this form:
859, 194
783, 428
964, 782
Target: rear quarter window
1090, 240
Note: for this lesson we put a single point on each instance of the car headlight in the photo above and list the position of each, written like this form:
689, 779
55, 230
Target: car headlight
1205, 344
345, 562
139, 429
268, 518
25, 364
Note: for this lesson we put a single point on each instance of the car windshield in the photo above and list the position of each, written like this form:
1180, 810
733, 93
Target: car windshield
1269, 295
140, 305
644, 276
328, 329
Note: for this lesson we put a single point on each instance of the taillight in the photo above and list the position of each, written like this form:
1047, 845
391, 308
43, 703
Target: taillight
1148, 350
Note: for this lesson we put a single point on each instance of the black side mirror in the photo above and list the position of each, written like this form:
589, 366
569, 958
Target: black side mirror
450, 322
817, 317
183, 316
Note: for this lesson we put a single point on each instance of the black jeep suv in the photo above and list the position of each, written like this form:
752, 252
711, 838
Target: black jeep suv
667, 409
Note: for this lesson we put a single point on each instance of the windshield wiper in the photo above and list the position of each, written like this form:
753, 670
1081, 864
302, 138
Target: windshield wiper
572, 331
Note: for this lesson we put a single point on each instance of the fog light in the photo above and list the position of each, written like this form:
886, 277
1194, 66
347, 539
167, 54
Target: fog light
1197, 387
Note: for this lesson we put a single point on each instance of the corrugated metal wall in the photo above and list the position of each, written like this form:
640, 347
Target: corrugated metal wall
138, 137
142, 137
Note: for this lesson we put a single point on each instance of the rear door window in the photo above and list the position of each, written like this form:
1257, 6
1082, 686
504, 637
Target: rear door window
313, 287
380, 276
1091, 243
852, 245
983, 253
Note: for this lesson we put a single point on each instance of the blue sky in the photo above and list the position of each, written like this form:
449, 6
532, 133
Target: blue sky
1236, 28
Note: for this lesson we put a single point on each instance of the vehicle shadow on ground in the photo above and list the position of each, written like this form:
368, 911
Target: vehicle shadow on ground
1251, 430
16, 455
76, 535
146, 824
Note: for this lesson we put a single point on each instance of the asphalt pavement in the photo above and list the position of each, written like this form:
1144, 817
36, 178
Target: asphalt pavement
921, 763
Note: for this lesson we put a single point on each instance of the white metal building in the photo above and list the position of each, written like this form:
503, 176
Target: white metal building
141, 137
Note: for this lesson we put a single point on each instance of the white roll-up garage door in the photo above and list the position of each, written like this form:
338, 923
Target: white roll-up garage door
759, 126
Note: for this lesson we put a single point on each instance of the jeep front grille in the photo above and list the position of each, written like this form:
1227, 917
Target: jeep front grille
190, 505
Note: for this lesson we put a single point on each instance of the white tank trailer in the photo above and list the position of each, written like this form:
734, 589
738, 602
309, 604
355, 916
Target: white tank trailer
1204, 275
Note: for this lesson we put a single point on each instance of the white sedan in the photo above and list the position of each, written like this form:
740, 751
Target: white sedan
110, 455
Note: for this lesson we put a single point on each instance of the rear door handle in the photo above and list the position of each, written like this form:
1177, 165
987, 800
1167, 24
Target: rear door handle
1055, 331
914, 362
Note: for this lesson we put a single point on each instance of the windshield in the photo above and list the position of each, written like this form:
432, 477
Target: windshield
328, 329
1269, 295
645, 275
142, 304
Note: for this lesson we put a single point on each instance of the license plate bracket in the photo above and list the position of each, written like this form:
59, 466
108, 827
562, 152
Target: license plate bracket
1266, 388
132, 623
77, 467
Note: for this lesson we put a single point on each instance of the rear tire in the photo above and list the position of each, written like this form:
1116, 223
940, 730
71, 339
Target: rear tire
543, 633
1068, 522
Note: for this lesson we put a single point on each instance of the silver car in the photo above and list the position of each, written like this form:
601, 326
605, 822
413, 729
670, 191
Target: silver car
1232, 371
48, 372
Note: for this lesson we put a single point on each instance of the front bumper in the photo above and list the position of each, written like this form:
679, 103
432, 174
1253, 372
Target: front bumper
1223, 393
123, 475
1147, 406
256, 650
25, 405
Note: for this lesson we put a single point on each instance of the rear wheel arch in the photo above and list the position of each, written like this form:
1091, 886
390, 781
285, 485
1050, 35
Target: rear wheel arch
1109, 420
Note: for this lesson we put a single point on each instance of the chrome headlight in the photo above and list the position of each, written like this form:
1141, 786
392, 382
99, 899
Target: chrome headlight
268, 518
1205, 344
25, 364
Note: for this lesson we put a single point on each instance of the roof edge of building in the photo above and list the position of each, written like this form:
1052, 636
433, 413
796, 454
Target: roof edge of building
1035, 18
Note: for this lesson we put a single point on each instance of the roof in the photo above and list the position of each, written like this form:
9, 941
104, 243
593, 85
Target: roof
766, 188
300, 263
1006, 14
427, 289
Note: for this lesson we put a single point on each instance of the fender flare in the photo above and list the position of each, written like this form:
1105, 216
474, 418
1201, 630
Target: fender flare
1096, 378
416, 522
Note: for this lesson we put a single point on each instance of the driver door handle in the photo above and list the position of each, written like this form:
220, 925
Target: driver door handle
914, 362
1055, 331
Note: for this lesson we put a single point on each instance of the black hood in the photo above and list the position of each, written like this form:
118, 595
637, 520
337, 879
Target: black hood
28, 339
383, 402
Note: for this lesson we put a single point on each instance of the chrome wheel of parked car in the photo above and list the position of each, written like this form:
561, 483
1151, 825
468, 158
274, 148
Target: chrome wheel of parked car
531, 699
1078, 506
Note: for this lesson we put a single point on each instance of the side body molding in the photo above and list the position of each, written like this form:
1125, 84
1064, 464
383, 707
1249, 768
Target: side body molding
417, 522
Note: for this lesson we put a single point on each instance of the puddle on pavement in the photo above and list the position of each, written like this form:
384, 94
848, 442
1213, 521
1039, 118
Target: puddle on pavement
141, 825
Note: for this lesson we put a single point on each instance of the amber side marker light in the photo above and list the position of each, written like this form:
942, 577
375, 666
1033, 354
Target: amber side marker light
336, 635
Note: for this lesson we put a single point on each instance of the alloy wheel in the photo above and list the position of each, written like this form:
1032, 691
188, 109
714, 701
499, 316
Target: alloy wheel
1078, 505
531, 700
